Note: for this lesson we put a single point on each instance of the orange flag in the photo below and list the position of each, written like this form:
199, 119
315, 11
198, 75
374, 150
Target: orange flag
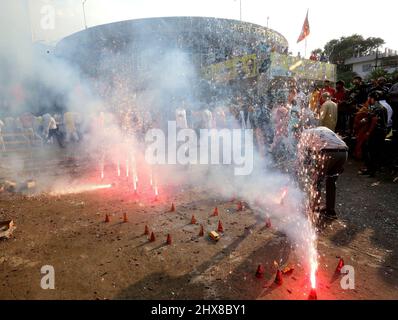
305, 31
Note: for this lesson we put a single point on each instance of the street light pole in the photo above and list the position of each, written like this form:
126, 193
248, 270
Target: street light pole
84, 13
240, 10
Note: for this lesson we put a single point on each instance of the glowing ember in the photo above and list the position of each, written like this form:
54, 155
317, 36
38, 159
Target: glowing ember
135, 184
80, 189
313, 262
283, 196
156, 192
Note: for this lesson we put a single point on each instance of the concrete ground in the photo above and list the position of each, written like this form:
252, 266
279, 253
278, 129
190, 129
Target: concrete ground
97, 260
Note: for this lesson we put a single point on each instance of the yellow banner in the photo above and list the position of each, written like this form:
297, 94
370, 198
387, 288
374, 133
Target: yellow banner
237, 68
289, 66
280, 66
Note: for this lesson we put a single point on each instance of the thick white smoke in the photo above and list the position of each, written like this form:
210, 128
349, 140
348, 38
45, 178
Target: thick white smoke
170, 83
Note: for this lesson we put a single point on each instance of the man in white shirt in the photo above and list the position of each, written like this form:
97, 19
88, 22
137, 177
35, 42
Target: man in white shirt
322, 155
49, 127
390, 112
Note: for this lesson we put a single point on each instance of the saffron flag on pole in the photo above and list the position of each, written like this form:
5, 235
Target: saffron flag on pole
305, 31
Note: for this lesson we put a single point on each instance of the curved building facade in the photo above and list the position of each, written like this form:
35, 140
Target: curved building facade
206, 41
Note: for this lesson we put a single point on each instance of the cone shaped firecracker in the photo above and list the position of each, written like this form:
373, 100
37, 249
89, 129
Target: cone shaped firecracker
240, 206
146, 232
278, 278
215, 212
107, 218
125, 217
340, 265
168, 241
312, 295
173, 208
268, 223
220, 227
152, 239
193, 220
260, 271
201, 232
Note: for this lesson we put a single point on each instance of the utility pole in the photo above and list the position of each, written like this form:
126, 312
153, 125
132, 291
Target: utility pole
240, 10
377, 58
84, 14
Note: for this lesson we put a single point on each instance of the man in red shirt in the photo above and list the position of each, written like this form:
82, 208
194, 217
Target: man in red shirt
326, 88
340, 98
340, 94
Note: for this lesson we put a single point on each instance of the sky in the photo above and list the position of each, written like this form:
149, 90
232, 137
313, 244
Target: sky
328, 19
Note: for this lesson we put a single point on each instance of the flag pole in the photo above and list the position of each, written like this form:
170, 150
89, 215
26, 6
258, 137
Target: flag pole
305, 44
305, 48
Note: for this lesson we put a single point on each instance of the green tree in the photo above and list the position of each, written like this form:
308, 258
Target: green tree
338, 50
318, 51
341, 49
377, 73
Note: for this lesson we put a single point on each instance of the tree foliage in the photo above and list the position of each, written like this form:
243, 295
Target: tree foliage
380, 72
338, 50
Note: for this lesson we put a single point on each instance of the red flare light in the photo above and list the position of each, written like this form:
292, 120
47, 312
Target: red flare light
312, 295
193, 220
340, 265
215, 212
268, 223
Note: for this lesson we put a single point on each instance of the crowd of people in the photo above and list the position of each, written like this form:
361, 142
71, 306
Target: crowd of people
287, 117
364, 115
31, 130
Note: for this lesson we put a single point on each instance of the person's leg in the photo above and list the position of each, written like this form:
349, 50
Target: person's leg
331, 195
366, 155
379, 150
374, 148
334, 168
